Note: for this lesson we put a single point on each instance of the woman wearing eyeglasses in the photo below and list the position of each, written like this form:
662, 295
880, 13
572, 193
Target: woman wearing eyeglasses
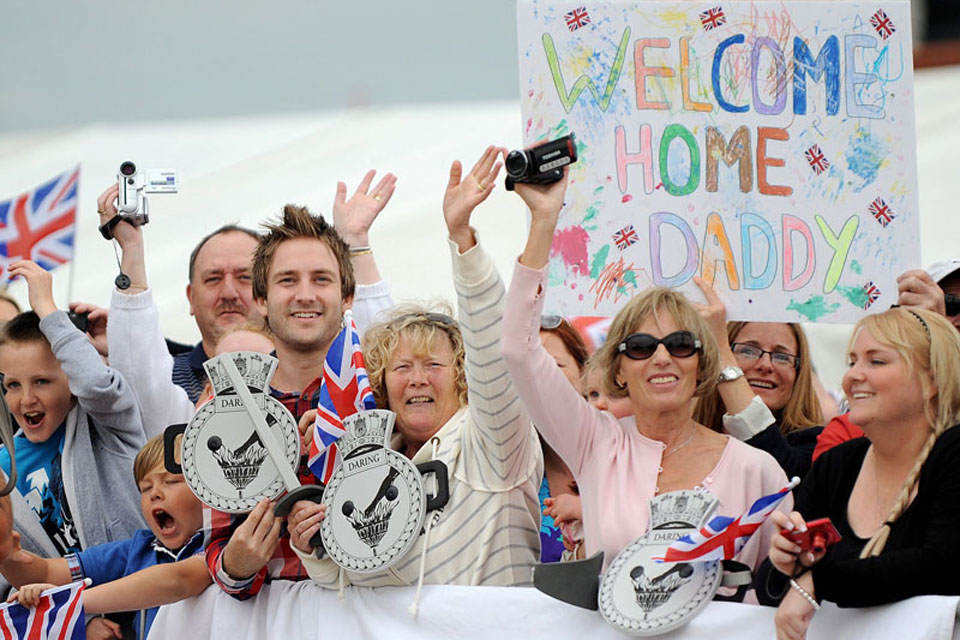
659, 353
765, 396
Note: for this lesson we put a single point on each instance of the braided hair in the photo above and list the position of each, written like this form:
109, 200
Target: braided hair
930, 347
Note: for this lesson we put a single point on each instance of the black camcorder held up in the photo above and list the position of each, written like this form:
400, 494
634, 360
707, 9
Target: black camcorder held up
542, 164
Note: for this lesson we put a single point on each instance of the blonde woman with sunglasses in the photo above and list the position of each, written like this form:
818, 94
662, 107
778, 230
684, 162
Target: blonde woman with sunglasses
660, 354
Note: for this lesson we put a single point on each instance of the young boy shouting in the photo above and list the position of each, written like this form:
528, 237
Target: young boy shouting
150, 559
80, 429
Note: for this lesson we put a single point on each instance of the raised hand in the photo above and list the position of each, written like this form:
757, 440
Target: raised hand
125, 233
39, 286
96, 324
917, 289
464, 193
353, 218
714, 313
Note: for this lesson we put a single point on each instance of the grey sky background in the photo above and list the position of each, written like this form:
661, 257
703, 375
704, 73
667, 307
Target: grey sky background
65, 64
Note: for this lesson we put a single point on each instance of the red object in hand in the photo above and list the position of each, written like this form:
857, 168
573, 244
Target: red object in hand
819, 535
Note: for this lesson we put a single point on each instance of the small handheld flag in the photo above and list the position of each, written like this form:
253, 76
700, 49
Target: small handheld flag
58, 616
345, 390
722, 538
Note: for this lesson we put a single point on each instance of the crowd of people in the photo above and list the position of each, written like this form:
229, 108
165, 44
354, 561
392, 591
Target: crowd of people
553, 452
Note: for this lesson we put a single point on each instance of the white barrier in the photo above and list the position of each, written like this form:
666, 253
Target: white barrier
303, 611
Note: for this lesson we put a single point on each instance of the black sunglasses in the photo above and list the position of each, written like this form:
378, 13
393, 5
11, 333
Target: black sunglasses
679, 344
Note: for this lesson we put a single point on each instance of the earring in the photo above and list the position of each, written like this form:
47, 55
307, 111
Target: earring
620, 385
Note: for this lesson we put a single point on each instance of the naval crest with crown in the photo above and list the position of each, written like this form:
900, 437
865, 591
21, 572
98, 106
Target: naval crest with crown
376, 501
644, 597
223, 458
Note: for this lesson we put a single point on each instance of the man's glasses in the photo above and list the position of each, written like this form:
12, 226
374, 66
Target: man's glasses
751, 353
679, 344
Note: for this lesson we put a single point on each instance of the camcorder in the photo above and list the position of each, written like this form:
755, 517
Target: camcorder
952, 304
542, 164
134, 184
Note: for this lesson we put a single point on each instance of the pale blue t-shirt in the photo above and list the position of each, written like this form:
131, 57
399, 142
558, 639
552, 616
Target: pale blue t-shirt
40, 482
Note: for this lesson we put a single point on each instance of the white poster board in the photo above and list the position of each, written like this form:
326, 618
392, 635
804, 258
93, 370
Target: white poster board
767, 146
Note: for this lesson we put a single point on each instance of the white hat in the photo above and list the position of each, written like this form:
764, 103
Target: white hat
943, 268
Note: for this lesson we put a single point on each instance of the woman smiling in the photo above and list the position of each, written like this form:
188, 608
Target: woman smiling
660, 354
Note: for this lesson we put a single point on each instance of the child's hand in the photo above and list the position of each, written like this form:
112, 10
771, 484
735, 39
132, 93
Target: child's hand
563, 508
103, 629
96, 324
29, 594
39, 286
303, 522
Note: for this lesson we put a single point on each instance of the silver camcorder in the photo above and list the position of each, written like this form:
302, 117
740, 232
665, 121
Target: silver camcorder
134, 184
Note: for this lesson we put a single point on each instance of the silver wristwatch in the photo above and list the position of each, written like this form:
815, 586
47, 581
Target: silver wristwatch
729, 374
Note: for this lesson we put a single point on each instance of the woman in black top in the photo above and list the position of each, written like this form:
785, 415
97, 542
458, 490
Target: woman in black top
893, 495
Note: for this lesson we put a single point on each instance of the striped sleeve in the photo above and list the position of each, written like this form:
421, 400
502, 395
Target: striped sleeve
500, 450
218, 527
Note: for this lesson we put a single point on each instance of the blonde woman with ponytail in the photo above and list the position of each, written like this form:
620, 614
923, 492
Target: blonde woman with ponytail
894, 495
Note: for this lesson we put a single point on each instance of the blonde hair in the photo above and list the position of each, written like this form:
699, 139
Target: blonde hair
803, 407
930, 347
651, 303
422, 327
148, 458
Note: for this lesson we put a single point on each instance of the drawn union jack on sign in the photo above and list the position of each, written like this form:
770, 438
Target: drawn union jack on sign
577, 18
882, 24
873, 293
818, 161
881, 212
625, 237
712, 18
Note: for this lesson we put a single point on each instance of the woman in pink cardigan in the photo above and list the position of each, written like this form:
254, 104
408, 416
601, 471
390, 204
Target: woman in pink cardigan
660, 354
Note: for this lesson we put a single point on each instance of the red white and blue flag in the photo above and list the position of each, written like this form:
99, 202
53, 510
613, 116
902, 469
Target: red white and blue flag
872, 294
818, 161
577, 18
712, 18
722, 538
345, 390
881, 212
58, 616
38, 225
882, 24
625, 237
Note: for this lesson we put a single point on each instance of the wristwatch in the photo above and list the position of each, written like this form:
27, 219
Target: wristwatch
729, 374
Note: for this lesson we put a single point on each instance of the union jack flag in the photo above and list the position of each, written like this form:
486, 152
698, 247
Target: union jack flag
722, 538
882, 24
38, 225
625, 237
577, 18
345, 391
713, 18
818, 161
881, 212
58, 616
873, 293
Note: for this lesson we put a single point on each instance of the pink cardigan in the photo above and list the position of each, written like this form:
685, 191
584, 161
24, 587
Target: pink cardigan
614, 465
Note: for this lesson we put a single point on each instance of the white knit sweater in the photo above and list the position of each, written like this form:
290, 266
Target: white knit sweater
488, 533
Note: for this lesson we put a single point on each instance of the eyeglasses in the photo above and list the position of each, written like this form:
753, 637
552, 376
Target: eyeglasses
550, 322
679, 344
778, 358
